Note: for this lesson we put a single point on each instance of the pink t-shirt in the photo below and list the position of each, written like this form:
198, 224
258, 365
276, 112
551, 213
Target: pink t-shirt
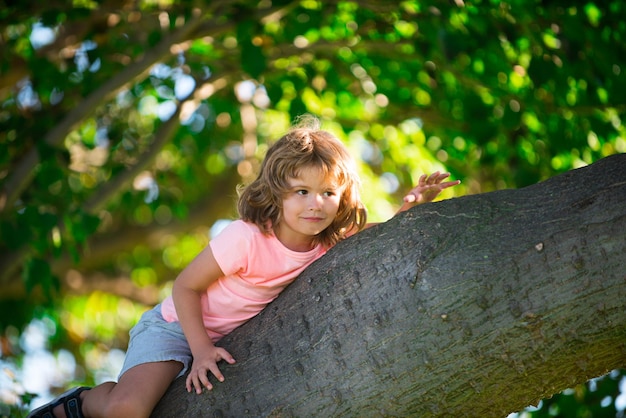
257, 267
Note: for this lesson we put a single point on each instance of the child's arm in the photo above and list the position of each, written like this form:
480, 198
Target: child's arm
188, 287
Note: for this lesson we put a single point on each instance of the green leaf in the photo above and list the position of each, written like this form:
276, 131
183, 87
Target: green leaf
81, 225
253, 60
37, 272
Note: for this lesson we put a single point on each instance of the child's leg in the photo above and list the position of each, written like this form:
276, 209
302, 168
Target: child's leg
135, 395
157, 353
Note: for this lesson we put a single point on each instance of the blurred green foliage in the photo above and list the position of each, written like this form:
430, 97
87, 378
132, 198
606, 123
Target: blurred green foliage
124, 131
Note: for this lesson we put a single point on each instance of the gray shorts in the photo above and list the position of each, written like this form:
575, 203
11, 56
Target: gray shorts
154, 339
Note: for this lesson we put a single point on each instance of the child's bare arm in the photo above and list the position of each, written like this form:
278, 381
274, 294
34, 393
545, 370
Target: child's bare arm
188, 287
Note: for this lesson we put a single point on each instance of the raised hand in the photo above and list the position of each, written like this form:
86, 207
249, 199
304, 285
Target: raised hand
428, 188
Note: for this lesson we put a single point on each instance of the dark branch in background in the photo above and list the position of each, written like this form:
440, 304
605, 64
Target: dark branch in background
123, 179
102, 248
24, 172
11, 263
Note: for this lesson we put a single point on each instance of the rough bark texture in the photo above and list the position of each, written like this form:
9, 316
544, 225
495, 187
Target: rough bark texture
474, 306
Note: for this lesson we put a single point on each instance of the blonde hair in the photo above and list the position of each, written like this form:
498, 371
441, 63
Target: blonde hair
305, 145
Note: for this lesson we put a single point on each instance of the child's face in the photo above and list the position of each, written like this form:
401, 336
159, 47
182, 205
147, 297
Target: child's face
309, 207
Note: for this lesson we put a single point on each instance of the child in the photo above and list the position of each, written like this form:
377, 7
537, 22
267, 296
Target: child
305, 199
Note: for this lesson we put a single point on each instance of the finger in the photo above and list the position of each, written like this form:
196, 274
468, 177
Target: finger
188, 384
437, 178
410, 198
204, 379
226, 356
433, 178
441, 177
217, 373
450, 184
197, 384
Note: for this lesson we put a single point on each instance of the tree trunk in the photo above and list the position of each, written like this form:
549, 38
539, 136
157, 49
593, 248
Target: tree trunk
474, 306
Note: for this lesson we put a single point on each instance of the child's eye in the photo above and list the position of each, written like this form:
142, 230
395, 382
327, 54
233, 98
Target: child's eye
302, 192
330, 193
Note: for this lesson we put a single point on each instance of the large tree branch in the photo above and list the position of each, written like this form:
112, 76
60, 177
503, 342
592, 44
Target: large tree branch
197, 27
475, 306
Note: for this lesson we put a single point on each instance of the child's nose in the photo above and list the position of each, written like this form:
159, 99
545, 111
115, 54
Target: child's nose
316, 200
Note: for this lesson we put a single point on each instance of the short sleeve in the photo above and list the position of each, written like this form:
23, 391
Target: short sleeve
231, 247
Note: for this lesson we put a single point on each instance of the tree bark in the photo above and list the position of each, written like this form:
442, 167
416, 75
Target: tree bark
474, 306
